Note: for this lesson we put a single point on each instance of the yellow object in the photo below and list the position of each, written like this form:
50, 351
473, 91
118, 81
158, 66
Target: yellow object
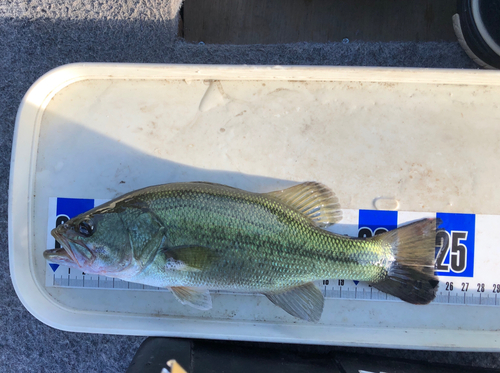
175, 367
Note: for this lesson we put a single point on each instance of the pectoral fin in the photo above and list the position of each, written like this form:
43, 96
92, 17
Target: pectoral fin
189, 258
303, 301
316, 201
194, 297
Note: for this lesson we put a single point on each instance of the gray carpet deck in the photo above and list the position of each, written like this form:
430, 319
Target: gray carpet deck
38, 35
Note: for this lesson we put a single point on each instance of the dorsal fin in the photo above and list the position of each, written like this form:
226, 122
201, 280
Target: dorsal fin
314, 200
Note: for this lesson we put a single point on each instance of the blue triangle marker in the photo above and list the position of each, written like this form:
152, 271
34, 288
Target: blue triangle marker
54, 266
355, 282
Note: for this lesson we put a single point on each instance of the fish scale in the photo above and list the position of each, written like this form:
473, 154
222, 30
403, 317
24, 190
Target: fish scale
291, 249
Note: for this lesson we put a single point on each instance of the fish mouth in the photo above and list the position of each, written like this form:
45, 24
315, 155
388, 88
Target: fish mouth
59, 256
71, 253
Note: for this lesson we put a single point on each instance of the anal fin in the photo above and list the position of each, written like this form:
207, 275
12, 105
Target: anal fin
194, 297
303, 301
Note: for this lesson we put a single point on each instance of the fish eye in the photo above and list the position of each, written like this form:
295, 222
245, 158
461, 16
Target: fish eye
86, 228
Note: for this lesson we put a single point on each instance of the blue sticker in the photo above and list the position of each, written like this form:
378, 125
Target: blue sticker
372, 222
72, 207
68, 208
455, 245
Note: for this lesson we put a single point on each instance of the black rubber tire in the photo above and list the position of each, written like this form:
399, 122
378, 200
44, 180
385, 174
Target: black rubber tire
471, 33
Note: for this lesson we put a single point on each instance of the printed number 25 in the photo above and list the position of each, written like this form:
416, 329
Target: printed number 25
458, 251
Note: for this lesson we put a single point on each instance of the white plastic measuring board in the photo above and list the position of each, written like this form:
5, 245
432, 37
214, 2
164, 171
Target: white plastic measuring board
465, 260
416, 142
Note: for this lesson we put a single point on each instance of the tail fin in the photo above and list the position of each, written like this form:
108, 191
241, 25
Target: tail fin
411, 275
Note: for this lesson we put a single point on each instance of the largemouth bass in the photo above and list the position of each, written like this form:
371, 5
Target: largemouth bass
195, 237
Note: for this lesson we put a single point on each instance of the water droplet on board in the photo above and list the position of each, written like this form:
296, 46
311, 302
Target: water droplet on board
386, 203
